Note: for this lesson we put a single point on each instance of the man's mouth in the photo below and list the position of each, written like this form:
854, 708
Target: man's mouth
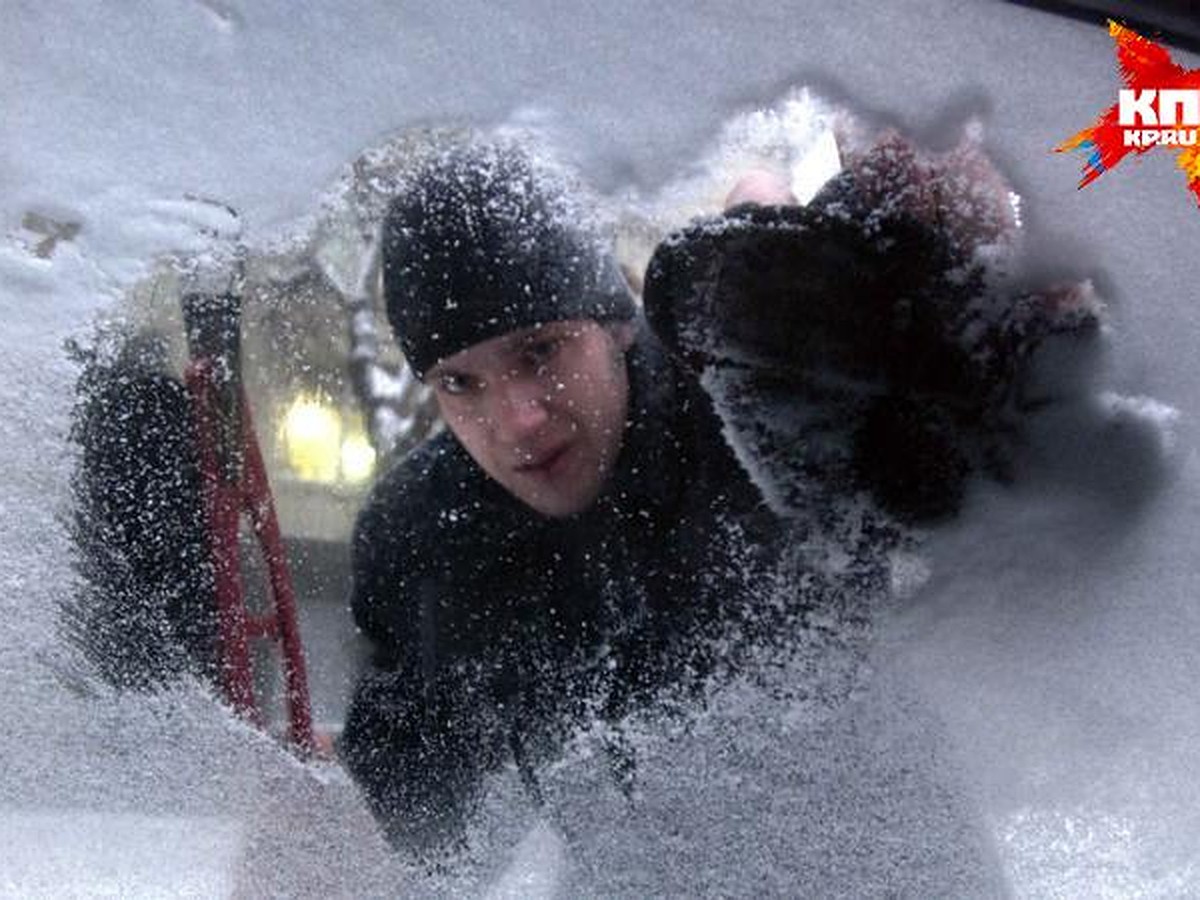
546, 461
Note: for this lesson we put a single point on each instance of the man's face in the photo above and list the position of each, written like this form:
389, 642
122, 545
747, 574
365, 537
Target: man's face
542, 410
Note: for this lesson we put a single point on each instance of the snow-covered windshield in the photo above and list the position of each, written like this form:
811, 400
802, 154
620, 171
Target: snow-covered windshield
1016, 717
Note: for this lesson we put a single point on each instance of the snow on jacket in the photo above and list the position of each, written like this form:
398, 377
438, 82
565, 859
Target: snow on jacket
497, 629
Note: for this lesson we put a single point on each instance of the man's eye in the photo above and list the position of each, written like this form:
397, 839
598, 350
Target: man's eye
455, 384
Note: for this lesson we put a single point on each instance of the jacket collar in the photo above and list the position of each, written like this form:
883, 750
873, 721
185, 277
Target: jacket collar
649, 477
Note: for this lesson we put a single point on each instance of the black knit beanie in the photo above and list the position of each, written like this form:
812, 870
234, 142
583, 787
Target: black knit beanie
485, 241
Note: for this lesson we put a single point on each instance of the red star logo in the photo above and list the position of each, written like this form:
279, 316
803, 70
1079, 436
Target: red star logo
1147, 70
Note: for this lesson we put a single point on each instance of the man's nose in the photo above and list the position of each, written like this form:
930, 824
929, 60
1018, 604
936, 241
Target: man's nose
521, 409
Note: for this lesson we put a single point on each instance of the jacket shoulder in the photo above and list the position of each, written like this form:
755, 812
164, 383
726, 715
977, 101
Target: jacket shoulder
432, 528
396, 533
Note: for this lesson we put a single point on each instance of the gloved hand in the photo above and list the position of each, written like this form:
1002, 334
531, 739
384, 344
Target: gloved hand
862, 341
419, 752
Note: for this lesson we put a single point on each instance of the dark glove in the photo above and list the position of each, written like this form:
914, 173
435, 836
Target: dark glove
419, 755
855, 342
145, 611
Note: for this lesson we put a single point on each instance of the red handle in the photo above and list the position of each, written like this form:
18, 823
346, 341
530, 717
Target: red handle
228, 492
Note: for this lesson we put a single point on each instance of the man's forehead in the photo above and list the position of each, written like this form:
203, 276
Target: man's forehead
506, 345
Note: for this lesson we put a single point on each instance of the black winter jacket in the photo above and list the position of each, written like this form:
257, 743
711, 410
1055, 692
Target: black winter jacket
497, 629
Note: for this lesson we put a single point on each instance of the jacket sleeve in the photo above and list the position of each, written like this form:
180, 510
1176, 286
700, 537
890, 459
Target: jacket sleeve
418, 735
386, 566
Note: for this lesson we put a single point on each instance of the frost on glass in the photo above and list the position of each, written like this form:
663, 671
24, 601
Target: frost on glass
798, 765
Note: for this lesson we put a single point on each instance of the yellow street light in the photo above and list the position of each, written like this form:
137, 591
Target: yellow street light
358, 458
321, 447
312, 436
